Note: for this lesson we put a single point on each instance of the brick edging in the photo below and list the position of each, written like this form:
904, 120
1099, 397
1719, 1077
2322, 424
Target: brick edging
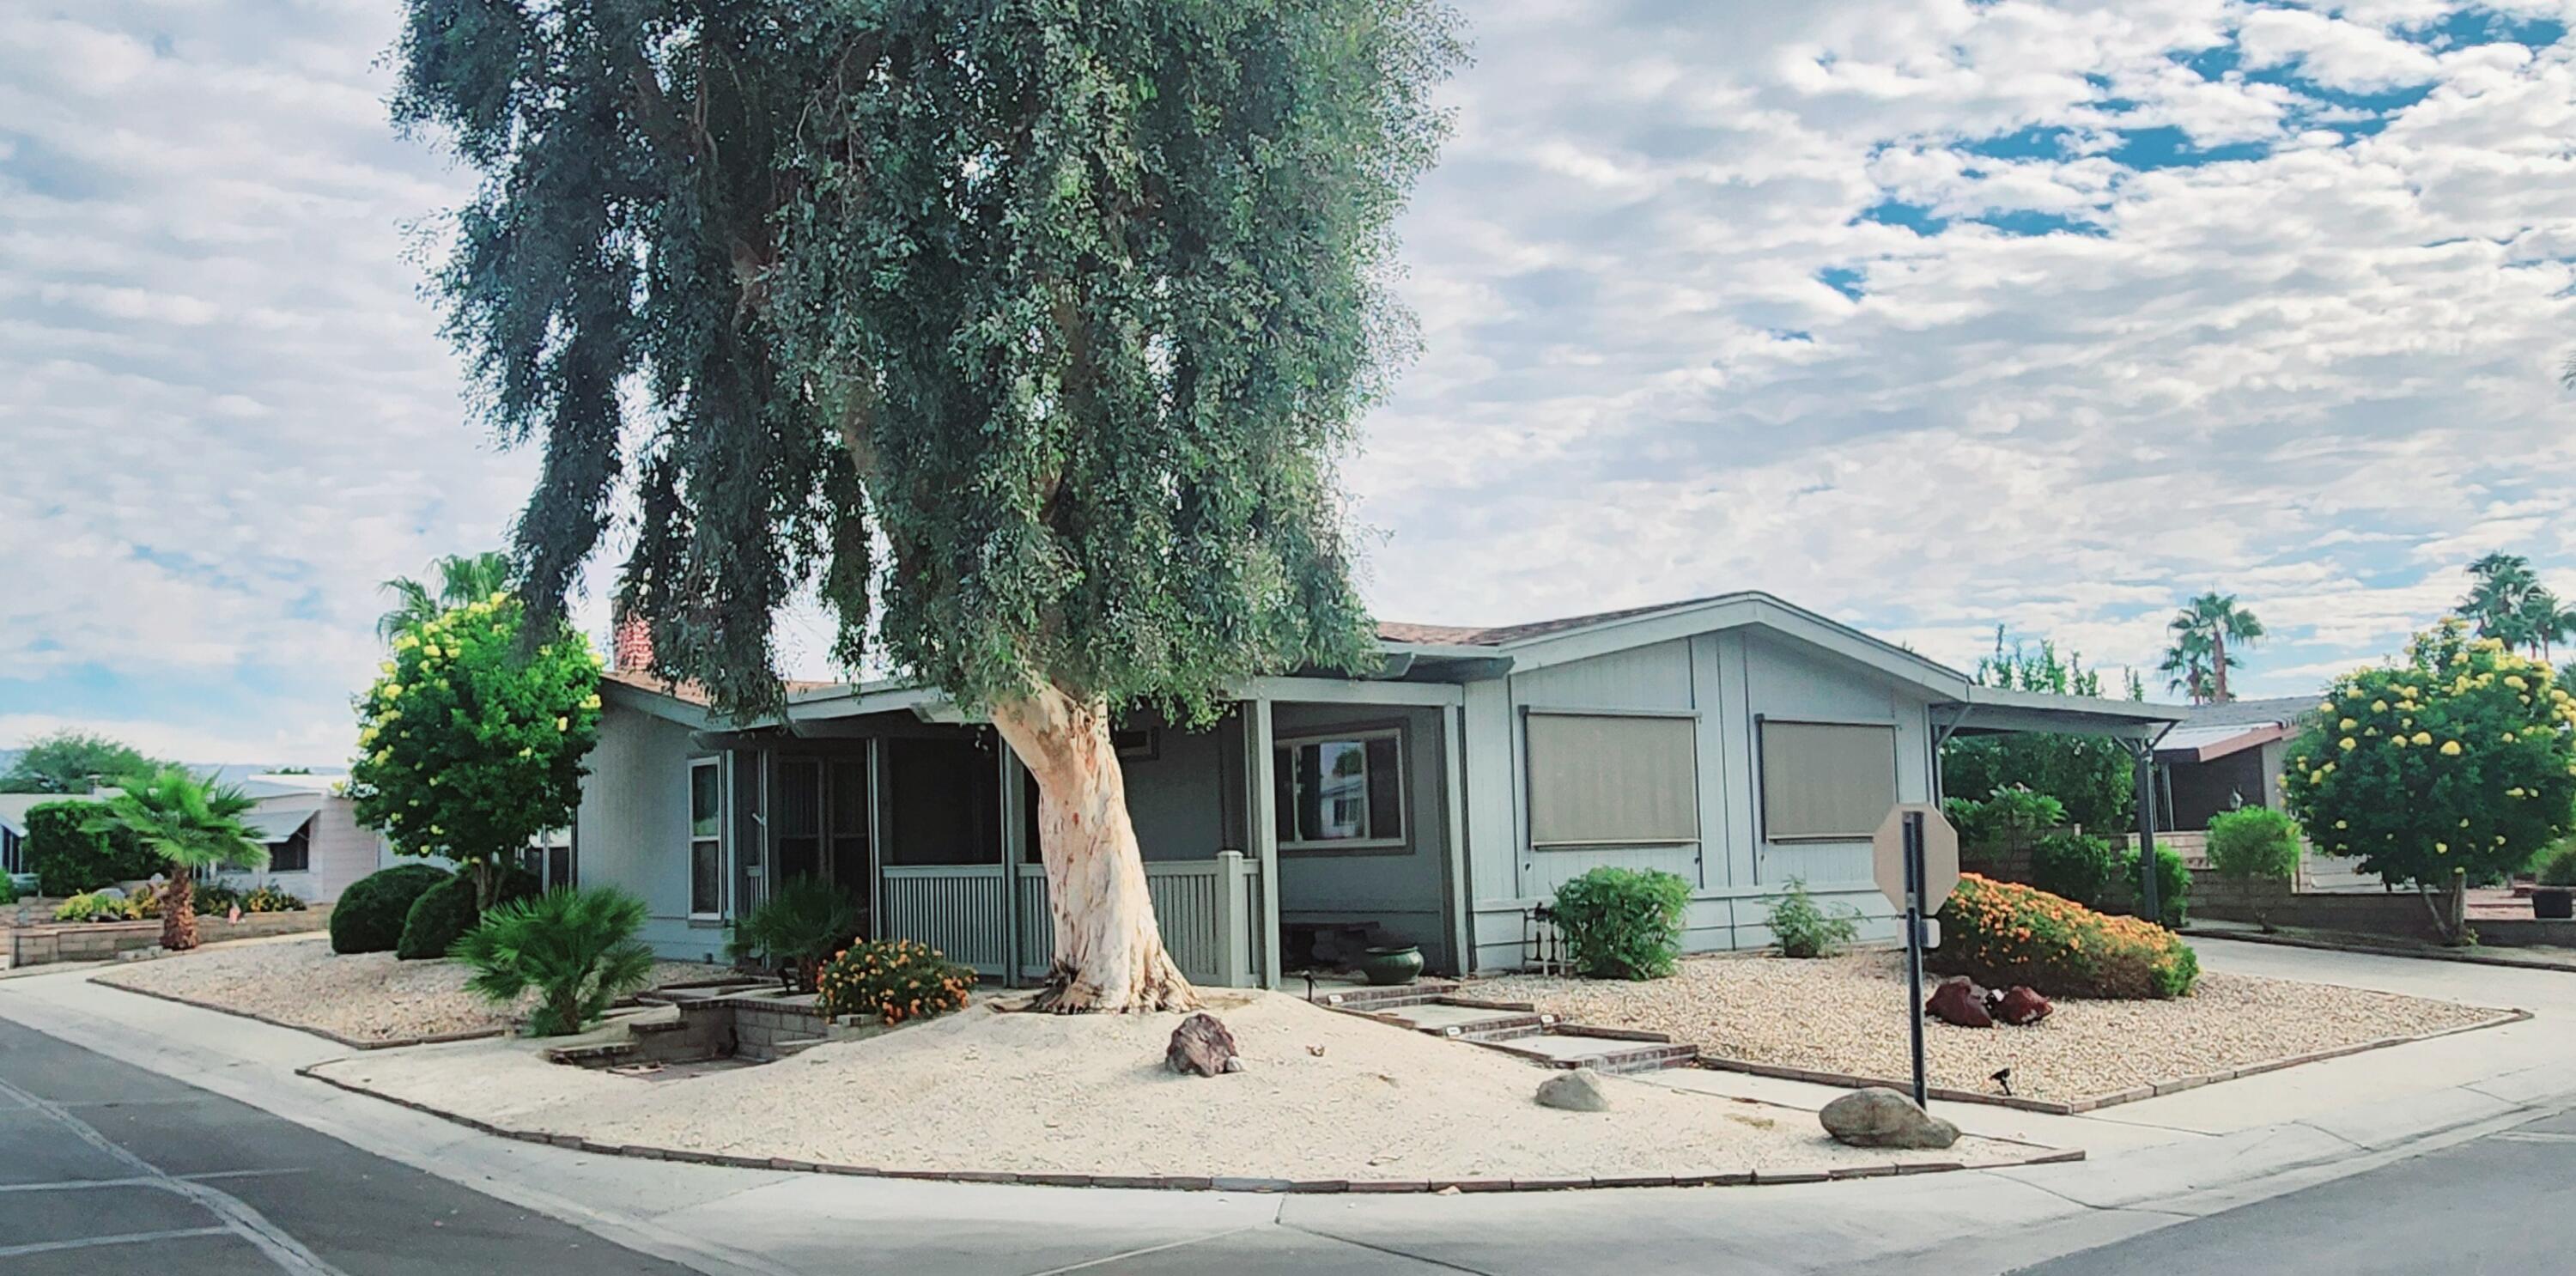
353, 1043
2383, 950
2092, 1103
1199, 1183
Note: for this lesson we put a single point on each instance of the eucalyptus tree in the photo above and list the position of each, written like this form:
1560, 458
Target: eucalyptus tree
1026, 333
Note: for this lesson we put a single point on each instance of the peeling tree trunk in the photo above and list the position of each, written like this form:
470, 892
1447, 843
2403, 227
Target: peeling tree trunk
179, 910
1108, 951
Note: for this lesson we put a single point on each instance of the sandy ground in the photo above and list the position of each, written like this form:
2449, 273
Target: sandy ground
361, 996
1846, 1015
1322, 1096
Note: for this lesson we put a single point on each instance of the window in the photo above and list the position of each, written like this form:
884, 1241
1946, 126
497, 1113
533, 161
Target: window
294, 854
1341, 792
1826, 781
551, 859
706, 839
1604, 779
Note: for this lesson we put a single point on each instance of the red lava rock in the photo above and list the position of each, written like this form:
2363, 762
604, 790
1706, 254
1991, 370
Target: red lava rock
1202, 1045
2021, 1006
1959, 1001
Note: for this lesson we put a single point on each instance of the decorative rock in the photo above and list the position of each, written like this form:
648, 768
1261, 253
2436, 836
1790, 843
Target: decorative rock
2021, 1006
1202, 1046
1959, 1001
1882, 1118
1576, 1091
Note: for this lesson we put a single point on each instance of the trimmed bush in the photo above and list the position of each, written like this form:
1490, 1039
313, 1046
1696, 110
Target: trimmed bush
8, 890
1622, 923
1803, 928
98, 907
444, 912
2076, 866
68, 858
2558, 867
2004, 933
2173, 885
369, 917
577, 948
893, 980
2254, 842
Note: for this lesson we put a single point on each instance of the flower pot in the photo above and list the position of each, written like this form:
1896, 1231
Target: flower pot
1398, 964
2554, 903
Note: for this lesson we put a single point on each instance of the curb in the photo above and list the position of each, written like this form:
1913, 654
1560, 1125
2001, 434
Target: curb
2092, 1103
1205, 1183
353, 1043
2381, 950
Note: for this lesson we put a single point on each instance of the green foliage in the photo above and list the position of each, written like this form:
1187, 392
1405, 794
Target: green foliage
805, 920
1069, 308
217, 898
69, 857
2002, 933
2459, 758
576, 948
473, 742
2173, 885
8, 890
97, 907
186, 823
2009, 818
2558, 867
435, 921
370, 914
1803, 928
1622, 923
2508, 603
70, 761
463, 580
2254, 843
2076, 866
2210, 634
894, 980
2091, 777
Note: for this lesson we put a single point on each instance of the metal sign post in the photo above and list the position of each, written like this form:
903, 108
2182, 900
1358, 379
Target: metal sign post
1914, 945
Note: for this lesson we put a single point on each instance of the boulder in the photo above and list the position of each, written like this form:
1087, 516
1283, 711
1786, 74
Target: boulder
1576, 1091
2021, 1005
1959, 1001
1882, 1118
1201, 1046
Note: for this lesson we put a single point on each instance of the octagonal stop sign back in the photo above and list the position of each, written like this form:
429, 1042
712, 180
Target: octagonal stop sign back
1940, 856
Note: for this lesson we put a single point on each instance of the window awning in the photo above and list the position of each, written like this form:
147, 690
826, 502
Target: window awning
276, 822
2206, 744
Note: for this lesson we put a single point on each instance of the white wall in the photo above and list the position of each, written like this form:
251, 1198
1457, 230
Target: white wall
633, 826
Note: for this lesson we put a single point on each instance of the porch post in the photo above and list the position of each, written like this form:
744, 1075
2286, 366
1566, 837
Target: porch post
876, 837
1453, 829
1261, 830
2145, 753
1015, 850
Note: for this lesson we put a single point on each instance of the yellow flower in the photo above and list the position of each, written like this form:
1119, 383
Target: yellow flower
2508, 737
2347, 724
2325, 706
2397, 742
2423, 737
2379, 706
2450, 748
565, 724
2513, 680
2514, 792
2441, 848
2464, 823
2338, 824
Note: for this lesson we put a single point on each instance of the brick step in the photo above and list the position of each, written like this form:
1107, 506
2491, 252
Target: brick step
1417, 993
1579, 1049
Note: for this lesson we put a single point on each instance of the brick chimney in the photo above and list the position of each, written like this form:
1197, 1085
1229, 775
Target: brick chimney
630, 643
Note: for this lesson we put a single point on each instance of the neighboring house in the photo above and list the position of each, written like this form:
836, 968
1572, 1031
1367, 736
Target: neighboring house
1737, 741
315, 845
13, 828
2222, 756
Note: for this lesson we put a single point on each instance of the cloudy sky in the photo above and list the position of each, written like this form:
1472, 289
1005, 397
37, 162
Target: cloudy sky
1928, 315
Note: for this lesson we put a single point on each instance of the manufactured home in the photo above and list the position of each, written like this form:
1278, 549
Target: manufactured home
1440, 799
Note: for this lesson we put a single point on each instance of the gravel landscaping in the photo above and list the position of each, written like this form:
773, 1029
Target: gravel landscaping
367, 997
1322, 1096
1846, 1015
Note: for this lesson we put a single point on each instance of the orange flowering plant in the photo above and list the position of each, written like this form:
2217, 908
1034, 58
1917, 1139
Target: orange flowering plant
895, 980
2003, 933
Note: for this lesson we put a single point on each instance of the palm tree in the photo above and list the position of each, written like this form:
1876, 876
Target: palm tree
2205, 627
2501, 586
462, 579
2186, 667
191, 825
2544, 621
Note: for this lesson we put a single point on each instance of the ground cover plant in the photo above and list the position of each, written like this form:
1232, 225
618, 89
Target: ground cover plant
2004, 933
894, 980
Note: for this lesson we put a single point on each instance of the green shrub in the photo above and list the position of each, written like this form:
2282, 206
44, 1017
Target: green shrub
893, 980
804, 921
69, 858
2009, 818
95, 907
2004, 933
369, 917
1802, 928
444, 912
2076, 866
1622, 923
268, 897
215, 899
2254, 842
8, 890
2173, 885
576, 948
2558, 867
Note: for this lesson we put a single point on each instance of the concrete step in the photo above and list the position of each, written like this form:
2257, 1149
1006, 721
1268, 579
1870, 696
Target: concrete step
1368, 998
1601, 1054
793, 1046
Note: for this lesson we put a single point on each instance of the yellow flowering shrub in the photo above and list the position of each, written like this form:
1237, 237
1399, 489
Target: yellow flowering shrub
893, 981
2003, 933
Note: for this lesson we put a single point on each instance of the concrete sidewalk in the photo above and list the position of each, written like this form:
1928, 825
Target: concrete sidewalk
2153, 1163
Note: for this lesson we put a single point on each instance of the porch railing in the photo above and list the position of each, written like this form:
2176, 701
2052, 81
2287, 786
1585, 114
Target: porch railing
1209, 911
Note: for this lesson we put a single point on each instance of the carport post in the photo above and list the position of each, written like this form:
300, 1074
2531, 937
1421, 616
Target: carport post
2145, 752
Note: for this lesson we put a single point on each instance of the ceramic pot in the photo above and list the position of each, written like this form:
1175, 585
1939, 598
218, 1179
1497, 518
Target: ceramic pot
1400, 964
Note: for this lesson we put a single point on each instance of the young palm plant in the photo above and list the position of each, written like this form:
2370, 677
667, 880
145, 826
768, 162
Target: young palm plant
577, 948
796, 929
192, 825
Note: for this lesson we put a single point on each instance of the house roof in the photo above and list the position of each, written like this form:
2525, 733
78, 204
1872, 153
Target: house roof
2284, 711
14, 806
1398, 631
2212, 731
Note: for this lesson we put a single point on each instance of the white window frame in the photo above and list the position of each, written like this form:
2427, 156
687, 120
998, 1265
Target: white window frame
1361, 736
714, 763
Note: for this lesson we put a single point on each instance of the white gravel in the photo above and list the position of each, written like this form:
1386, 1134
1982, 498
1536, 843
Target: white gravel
360, 996
1322, 1096
1847, 1015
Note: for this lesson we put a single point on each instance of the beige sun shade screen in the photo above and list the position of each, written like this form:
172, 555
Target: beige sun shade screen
1609, 779
1826, 780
